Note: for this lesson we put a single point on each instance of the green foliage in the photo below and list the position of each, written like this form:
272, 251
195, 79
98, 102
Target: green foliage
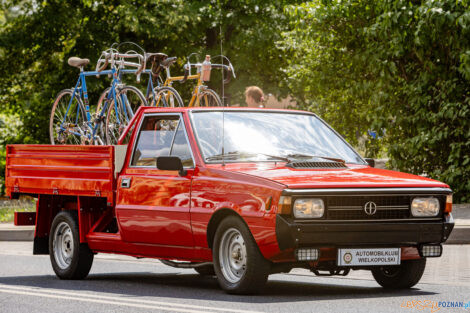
10, 126
398, 66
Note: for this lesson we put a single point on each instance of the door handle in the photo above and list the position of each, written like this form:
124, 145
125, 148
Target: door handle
125, 183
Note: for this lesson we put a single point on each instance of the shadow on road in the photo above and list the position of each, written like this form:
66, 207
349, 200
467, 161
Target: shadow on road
193, 286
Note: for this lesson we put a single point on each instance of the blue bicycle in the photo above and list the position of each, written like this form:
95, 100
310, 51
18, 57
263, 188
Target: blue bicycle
71, 121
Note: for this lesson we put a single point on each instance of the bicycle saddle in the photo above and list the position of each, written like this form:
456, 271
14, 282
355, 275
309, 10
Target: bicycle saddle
168, 61
77, 62
156, 57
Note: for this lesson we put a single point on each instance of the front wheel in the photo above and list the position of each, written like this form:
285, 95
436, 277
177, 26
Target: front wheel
70, 259
239, 265
67, 124
403, 276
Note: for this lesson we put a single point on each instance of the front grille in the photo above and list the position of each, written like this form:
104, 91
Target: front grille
352, 207
346, 207
361, 215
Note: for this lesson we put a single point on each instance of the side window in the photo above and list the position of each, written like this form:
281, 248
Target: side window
181, 147
161, 136
155, 139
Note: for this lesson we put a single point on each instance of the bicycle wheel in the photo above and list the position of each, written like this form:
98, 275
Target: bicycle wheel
67, 123
167, 97
209, 98
120, 113
101, 116
132, 97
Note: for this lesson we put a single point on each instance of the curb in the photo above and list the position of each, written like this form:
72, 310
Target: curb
16, 233
459, 236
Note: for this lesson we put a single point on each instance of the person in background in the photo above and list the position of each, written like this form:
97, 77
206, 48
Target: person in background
254, 97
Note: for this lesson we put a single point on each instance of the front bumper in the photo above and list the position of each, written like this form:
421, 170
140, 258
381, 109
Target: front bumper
294, 234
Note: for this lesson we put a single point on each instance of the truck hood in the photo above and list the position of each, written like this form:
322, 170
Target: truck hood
355, 176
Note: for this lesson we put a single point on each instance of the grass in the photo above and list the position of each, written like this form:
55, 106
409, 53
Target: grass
8, 208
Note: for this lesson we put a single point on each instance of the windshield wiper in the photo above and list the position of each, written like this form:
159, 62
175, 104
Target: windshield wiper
237, 154
300, 155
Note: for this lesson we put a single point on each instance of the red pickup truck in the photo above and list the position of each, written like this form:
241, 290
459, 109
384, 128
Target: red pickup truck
237, 193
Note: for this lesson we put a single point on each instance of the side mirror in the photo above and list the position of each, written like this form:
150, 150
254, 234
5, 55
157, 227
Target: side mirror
171, 163
371, 162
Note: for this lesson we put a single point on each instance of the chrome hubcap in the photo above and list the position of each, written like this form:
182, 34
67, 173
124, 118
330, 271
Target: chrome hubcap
232, 255
63, 245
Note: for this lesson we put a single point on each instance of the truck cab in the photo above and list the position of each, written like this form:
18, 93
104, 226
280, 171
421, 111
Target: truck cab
234, 192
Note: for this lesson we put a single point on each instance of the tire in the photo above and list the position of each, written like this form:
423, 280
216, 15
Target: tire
75, 118
117, 121
403, 276
70, 259
207, 270
245, 273
102, 118
133, 98
208, 98
166, 97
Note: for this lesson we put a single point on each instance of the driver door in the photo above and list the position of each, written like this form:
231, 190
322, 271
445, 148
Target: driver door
153, 205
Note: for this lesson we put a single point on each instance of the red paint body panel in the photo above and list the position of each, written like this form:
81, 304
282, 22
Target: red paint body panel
60, 170
25, 218
155, 209
161, 214
355, 176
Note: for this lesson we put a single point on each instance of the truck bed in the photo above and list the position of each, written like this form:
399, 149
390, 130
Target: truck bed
62, 170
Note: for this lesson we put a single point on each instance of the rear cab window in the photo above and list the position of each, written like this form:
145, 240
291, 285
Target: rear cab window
161, 135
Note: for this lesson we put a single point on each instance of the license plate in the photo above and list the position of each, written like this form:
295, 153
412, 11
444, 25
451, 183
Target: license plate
366, 257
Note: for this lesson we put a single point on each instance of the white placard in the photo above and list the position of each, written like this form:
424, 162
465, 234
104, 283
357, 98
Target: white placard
370, 256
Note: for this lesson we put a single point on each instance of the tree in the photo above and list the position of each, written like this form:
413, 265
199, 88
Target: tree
399, 66
37, 38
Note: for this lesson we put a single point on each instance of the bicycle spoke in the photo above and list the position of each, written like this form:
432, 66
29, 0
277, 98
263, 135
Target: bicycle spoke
67, 120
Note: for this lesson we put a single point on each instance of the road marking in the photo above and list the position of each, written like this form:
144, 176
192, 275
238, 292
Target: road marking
102, 299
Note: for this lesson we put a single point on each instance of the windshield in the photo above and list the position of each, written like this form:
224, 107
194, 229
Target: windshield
264, 136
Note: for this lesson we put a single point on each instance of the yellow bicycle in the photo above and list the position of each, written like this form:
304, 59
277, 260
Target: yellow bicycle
202, 95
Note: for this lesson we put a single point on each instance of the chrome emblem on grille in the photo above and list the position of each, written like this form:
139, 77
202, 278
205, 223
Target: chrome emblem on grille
370, 208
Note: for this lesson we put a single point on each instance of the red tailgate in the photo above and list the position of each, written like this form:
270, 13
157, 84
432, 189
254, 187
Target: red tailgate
61, 170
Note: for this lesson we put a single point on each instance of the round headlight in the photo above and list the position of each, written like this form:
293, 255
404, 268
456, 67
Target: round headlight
309, 208
425, 207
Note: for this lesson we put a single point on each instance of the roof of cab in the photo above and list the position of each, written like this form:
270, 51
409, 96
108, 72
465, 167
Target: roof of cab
193, 109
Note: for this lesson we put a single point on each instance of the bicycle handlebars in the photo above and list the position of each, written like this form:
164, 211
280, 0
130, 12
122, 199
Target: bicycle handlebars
228, 68
119, 59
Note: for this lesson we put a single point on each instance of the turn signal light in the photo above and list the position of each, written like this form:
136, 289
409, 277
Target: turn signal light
285, 205
448, 208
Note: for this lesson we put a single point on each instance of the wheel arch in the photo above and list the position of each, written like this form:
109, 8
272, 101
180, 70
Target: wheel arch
47, 207
215, 220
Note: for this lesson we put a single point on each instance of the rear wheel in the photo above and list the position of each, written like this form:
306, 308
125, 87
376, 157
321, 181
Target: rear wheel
120, 112
103, 104
166, 97
132, 97
403, 276
70, 259
67, 121
208, 98
239, 265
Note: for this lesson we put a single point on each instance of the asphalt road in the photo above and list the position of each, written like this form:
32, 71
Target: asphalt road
123, 284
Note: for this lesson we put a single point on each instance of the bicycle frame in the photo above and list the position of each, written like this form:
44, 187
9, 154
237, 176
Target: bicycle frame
194, 98
80, 90
150, 85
